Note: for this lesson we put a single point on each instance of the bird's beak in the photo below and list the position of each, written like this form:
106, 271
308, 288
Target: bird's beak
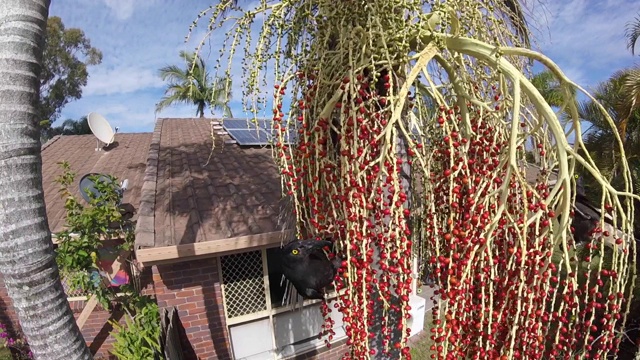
313, 244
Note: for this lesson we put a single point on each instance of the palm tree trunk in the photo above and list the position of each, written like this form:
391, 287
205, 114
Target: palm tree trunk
201, 109
27, 259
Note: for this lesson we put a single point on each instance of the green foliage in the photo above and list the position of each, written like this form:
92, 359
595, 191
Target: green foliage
632, 34
139, 337
194, 85
554, 92
68, 127
86, 229
600, 138
66, 56
77, 255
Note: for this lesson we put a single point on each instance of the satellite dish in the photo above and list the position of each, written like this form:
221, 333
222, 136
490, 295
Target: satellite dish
101, 129
88, 186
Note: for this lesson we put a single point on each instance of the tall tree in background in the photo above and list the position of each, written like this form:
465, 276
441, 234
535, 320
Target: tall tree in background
193, 85
27, 260
628, 101
68, 127
555, 94
550, 88
67, 54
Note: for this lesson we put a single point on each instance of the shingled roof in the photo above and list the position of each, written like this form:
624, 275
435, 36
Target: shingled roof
125, 159
183, 193
191, 195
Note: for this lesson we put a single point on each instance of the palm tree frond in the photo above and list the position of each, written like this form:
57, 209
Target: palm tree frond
192, 85
633, 33
518, 20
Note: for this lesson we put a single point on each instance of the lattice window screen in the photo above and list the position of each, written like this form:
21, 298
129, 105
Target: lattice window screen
66, 285
243, 283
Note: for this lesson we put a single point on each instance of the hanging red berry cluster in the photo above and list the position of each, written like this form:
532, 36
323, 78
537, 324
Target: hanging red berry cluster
344, 190
438, 176
490, 235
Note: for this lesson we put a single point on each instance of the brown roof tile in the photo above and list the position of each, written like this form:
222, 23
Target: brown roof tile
126, 159
235, 194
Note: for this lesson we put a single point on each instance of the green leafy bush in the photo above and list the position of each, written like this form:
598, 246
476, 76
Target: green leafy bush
87, 228
139, 337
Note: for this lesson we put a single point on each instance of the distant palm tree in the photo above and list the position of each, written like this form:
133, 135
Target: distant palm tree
193, 84
550, 88
556, 95
613, 94
629, 98
630, 101
633, 33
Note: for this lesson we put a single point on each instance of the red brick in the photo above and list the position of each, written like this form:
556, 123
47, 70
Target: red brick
184, 293
166, 296
201, 323
174, 302
194, 298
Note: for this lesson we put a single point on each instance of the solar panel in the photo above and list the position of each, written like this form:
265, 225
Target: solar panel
244, 131
234, 123
289, 135
238, 124
249, 136
263, 123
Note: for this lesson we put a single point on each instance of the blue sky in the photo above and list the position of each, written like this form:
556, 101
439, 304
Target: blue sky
137, 37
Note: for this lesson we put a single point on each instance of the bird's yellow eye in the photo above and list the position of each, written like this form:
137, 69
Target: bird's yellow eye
295, 251
576, 176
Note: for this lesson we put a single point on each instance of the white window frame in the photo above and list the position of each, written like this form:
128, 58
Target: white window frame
270, 312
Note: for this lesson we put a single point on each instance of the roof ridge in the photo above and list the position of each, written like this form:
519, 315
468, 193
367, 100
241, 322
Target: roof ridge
145, 226
49, 142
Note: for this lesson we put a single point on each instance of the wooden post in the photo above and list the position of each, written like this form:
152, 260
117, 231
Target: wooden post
86, 312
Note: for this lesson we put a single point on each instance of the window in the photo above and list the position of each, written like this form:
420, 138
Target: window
277, 287
243, 283
256, 299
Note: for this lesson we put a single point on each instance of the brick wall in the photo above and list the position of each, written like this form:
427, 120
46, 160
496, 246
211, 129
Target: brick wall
96, 330
8, 314
193, 288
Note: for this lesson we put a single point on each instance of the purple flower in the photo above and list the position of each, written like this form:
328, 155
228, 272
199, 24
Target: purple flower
3, 335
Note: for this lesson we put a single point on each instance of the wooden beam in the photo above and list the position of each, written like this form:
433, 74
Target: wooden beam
86, 312
56, 240
179, 253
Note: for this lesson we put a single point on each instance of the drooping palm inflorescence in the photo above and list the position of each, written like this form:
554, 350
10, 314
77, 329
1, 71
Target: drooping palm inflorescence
412, 120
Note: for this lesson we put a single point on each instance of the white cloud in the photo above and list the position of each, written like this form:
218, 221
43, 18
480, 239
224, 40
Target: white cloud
586, 37
121, 80
123, 9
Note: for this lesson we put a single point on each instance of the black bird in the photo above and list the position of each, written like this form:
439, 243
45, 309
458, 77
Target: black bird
308, 268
